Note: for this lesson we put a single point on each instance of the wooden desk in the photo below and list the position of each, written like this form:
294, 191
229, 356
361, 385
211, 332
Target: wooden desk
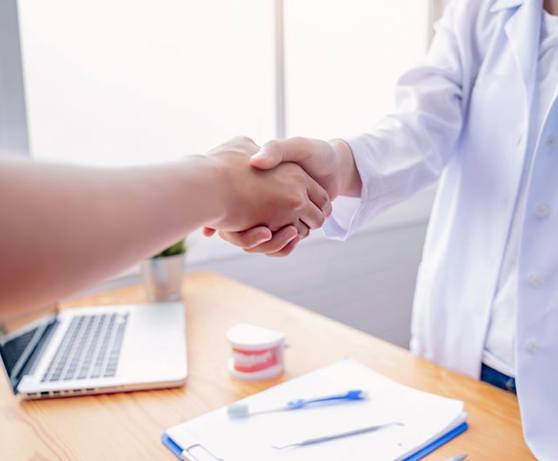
129, 426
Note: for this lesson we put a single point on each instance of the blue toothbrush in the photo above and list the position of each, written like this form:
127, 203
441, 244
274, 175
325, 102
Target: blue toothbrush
242, 410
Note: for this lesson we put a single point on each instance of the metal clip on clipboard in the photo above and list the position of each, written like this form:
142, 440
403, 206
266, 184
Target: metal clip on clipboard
197, 452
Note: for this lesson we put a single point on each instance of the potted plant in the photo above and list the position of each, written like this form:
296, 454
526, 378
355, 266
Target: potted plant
164, 272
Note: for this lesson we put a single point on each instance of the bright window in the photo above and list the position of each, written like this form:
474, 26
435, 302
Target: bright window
344, 58
138, 81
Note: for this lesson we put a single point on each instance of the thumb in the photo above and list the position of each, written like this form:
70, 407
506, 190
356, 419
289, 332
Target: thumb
269, 156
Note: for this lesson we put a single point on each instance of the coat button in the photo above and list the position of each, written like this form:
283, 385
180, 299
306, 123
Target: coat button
542, 210
536, 281
551, 141
532, 347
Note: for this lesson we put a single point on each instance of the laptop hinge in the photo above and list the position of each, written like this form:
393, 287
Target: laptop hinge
31, 363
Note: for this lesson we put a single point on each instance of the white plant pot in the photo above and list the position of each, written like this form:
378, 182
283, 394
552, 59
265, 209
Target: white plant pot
163, 278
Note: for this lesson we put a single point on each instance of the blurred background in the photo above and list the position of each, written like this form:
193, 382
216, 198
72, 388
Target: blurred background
110, 83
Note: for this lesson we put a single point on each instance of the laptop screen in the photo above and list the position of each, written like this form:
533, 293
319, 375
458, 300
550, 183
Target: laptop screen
20, 338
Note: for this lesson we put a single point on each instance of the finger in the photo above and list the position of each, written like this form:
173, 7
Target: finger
287, 249
249, 238
303, 229
208, 231
280, 239
319, 196
312, 216
269, 156
275, 152
327, 209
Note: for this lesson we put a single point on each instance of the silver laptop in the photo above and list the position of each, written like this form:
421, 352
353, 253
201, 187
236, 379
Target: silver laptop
95, 350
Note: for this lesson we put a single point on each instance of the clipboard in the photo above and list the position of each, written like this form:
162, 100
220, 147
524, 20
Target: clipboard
207, 438
188, 454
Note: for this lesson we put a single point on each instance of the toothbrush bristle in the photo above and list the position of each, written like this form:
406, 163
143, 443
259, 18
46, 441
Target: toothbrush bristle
238, 410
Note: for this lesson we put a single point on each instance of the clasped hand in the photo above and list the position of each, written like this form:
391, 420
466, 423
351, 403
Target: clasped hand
280, 192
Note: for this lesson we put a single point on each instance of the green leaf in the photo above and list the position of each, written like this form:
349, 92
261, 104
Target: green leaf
175, 249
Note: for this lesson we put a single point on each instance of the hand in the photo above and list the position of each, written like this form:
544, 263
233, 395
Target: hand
284, 196
320, 159
331, 164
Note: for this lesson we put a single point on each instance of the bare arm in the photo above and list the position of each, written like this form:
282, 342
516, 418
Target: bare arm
66, 227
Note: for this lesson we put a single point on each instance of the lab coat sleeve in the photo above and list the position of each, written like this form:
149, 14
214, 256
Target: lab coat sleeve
408, 149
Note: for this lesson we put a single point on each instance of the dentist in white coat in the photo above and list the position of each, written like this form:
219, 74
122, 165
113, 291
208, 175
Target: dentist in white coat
480, 115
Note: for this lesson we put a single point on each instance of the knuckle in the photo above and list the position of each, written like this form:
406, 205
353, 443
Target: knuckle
296, 178
320, 201
302, 144
273, 146
296, 201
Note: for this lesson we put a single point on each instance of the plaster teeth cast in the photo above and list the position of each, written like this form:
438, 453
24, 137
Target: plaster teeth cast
257, 353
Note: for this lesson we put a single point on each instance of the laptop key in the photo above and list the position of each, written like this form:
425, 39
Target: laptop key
112, 364
90, 348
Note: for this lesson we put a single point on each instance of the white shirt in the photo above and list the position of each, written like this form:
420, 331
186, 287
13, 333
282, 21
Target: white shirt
499, 351
462, 118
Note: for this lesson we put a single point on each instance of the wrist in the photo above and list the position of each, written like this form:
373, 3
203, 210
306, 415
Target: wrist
350, 183
209, 178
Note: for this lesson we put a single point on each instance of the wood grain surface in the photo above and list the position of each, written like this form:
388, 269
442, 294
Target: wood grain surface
128, 426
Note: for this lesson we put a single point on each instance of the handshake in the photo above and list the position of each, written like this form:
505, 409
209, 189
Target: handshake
272, 197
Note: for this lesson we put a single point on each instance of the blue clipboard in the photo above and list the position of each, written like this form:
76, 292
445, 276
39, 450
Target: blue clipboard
178, 450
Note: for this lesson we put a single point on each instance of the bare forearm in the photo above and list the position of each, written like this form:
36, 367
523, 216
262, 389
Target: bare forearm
64, 228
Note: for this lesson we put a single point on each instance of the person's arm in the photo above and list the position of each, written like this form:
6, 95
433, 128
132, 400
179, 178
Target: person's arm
66, 227
406, 151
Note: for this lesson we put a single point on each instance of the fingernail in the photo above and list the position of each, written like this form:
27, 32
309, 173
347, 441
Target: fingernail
294, 234
264, 237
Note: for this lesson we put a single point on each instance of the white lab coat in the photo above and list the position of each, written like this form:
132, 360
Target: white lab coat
463, 116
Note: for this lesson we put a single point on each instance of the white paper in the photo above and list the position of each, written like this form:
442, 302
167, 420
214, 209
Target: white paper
425, 417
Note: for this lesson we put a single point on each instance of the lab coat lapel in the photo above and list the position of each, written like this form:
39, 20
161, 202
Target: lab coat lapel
523, 33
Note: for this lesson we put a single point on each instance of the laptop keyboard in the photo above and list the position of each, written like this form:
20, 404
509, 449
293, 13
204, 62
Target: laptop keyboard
90, 348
